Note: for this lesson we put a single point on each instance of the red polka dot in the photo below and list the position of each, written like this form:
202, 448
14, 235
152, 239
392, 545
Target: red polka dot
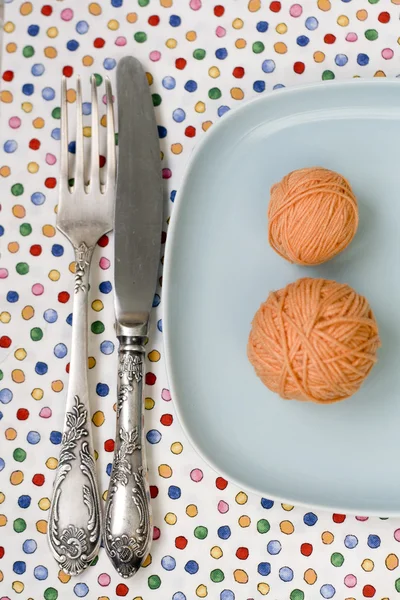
50, 182
384, 17
67, 368
150, 379
22, 414
154, 20
5, 341
35, 250
180, 542
8, 75
369, 591
46, 10
99, 43
153, 491
306, 549
166, 420
330, 38
63, 297
1, 551
109, 445
163, 237
38, 479
121, 589
34, 144
102, 161
180, 63
242, 553
221, 483
338, 518
68, 71
275, 7
299, 67
190, 131
103, 241
219, 10
238, 72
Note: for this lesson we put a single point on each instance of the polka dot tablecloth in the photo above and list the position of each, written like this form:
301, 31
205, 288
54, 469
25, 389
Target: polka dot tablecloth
211, 539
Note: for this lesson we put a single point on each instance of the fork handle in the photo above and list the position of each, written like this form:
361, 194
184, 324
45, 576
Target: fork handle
74, 529
127, 535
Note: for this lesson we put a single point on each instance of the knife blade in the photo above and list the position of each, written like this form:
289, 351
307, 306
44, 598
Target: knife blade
137, 242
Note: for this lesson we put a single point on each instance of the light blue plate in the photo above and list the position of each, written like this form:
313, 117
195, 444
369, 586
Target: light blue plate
219, 268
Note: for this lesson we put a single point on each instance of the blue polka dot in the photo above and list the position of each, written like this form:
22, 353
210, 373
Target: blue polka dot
50, 315
259, 86
341, 60
102, 389
33, 437
302, 40
87, 108
72, 45
81, 590
57, 250
327, 591
190, 86
60, 350
286, 574
38, 198
56, 437
264, 568
221, 53
2, 464
262, 26
310, 519
1, 230
153, 436
174, 492
107, 347
169, 82
350, 541
174, 21
109, 63
48, 93
40, 572
374, 541
222, 110
28, 89
311, 23
33, 30
117, 3
156, 300
24, 501
172, 196
109, 468
6, 396
162, 131
37, 70
191, 567
362, 59
179, 115
105, 287
268, 66
69, 319
29, 546
159, 325
72, 147
19, 567
265, 503
12, 296
224, 532
10, 146
227, 595
168, 563
278, 86
179, 596
82, 27
56, 133
274, 547
1, 415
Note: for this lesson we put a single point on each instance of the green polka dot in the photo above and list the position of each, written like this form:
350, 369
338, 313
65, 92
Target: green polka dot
36, 334
201, 532
373, 1
98, 78
22, 268
19, 525
19, 455
50, 594
328, 75
397, 585
217, 575
56, 112
143, 2
156, 99
371, 35
1, 375
28, 51
17, 189
258, 47
116, 139
214, 93
94, 561
263, 526
25, 229
337, 559
296, 595
71, 182
154, 582
97, 327
199, 54
140, 37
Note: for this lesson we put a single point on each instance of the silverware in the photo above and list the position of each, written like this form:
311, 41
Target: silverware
138, 222
85, 213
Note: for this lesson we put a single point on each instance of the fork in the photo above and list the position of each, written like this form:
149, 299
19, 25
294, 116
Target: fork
85, 213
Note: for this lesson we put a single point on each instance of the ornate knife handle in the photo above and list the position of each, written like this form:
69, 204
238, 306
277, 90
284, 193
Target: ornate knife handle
127, 535
74, 529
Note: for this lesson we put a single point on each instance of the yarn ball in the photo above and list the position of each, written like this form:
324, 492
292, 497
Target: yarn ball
314, 340
312, 216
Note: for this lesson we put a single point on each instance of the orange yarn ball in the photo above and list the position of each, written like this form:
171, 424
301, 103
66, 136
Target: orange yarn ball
314, 340
312, 216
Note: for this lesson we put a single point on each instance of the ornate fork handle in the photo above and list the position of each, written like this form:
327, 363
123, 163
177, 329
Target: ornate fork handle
74, 529
127, 535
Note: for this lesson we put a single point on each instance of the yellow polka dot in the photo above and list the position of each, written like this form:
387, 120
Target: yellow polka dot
319, 57
38, 123
104, 495
57, 386
244, 521
216, 552
324, 5
71, 96
50, 52
164, 471
391, 562
18, 376
286, 527
343, 21
280, 48
18, 586
96, 455
147, 561
64, 577
113, 25
201, 591
41, 526
362, 15
154, 356
37, 394
5, 317
176, 148
263, 588
310, 576
44, 504
287, 507
18, 211
11, 47
16, 477
87, 61
1, 576
54, 275
27, 107
87, 131
131, 17
91, 362
20, 353
8, 27
241, 498
95, 8
52, 32
28, 312
72, 266
240, 43
51, 463
6, 97
327, 537
97, 305
26, 8
33, 167
5, 171
170, 518
191, 510
281, 28
103, 121
237, 24
254, 5
380, 74
98, 418
171, 43
10, 434
149, 403
214, 72
191, 36
240, 576
2, 497
200, 107
3, 520
368, 565
176, 448
13, 247
206, 125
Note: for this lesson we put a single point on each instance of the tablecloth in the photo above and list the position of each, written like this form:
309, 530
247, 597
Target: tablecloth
203, 58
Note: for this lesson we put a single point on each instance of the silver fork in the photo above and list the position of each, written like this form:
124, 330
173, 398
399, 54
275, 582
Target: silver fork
85, 213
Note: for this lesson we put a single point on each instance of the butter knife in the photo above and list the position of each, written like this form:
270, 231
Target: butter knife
137, 235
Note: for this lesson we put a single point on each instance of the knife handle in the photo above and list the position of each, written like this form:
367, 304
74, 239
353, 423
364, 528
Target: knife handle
128, 523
